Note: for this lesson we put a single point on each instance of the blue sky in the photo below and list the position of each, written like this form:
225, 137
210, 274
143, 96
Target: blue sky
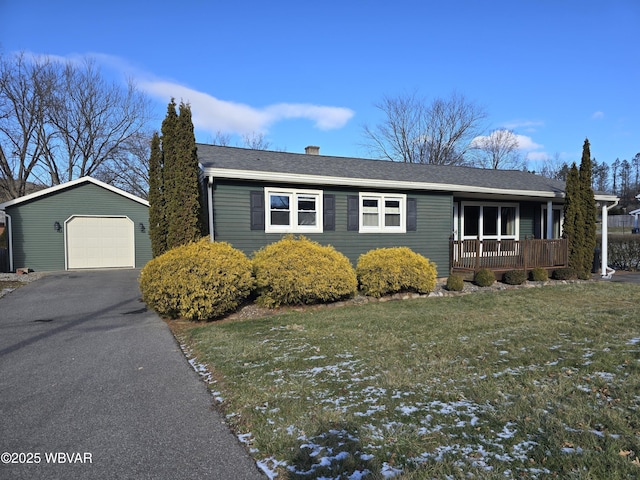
308, 73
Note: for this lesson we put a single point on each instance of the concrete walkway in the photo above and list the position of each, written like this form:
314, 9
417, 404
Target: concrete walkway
93, 381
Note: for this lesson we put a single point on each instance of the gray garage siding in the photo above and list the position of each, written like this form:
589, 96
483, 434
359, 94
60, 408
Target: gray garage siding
232, 224
38, 246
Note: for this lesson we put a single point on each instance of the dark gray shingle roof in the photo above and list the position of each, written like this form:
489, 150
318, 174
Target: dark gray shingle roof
233, 158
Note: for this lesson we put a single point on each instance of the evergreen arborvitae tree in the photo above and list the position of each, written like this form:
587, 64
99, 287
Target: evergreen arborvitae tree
170, 156
185, 223
589, 211
157, 216
181, 200
573, 226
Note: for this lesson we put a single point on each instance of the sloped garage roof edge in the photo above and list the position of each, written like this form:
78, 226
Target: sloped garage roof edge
64, 186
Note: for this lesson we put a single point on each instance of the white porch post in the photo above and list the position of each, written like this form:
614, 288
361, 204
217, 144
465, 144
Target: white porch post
549, 232
604, 252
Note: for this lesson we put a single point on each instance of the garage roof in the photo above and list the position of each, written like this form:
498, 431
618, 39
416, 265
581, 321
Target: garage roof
64, 186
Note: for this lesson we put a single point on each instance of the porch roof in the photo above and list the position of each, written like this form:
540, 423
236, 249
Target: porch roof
284, 167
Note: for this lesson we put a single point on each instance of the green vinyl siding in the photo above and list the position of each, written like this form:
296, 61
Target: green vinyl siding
231, 205
529, 213
38, 246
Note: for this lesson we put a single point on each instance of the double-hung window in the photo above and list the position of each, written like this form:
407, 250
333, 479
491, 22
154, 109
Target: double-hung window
293, 211
382, 213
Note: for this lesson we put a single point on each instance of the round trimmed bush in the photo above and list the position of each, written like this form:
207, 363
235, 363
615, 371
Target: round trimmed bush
390, 270
567, 273
515, 277
295, 271
198, 281
539, 275
484, 278
455, 283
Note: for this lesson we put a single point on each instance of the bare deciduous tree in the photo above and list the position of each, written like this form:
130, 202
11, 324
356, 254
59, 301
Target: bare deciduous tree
498, 150
25, 89
60, 121
94, 120
554, 168
129, 169
221, 138
256, 141
414, 131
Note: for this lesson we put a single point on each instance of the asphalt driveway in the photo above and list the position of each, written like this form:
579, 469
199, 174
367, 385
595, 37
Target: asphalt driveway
92, 385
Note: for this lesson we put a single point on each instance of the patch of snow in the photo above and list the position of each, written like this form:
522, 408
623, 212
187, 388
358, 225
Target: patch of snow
269, 465
609, 377
506, 432
407, 410
389, 471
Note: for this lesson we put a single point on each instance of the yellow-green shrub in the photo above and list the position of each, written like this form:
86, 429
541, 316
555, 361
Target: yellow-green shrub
514, 277
455, 283
484, 277
539, 275
389, 270
198, 281
296, 271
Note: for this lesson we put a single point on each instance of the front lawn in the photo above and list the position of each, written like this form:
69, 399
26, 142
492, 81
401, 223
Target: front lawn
533, 383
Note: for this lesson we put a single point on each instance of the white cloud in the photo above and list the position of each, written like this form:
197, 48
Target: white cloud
525, 125
597, 115
527, 144
214, 115
538, 156
210, 113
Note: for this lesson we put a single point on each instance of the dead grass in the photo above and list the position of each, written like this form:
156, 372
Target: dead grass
534, 383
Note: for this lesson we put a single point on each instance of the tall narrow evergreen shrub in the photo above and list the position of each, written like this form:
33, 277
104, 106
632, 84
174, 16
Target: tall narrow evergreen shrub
179, 199
184, 200
157, 216
573, 220
589, 211
169, 167
579, 226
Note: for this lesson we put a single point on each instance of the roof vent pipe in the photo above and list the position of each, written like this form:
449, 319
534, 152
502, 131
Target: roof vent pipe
312, 150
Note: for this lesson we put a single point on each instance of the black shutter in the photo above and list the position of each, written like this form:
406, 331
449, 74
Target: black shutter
353, 216
329, 212
257, 210
412, 215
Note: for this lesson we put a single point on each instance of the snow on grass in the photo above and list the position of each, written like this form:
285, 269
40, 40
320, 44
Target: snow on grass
410, 412
437, 417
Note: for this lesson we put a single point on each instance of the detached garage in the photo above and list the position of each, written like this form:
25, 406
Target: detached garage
84, 223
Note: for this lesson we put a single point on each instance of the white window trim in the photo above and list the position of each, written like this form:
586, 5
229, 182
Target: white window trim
543, 209
481, 235
293, 226
382, 197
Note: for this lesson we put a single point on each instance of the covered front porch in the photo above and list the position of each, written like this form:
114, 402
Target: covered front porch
469, 256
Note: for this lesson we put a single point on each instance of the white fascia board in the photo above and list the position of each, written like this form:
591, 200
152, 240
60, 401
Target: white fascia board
277, 177
606, 198
63, 186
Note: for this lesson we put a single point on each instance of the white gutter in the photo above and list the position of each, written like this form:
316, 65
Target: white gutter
210, 207
280, 177
605, 271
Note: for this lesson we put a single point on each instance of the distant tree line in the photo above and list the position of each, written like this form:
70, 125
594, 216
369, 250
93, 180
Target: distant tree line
621, 178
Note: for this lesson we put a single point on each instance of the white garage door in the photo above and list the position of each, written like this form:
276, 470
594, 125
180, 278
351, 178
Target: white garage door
100, 242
